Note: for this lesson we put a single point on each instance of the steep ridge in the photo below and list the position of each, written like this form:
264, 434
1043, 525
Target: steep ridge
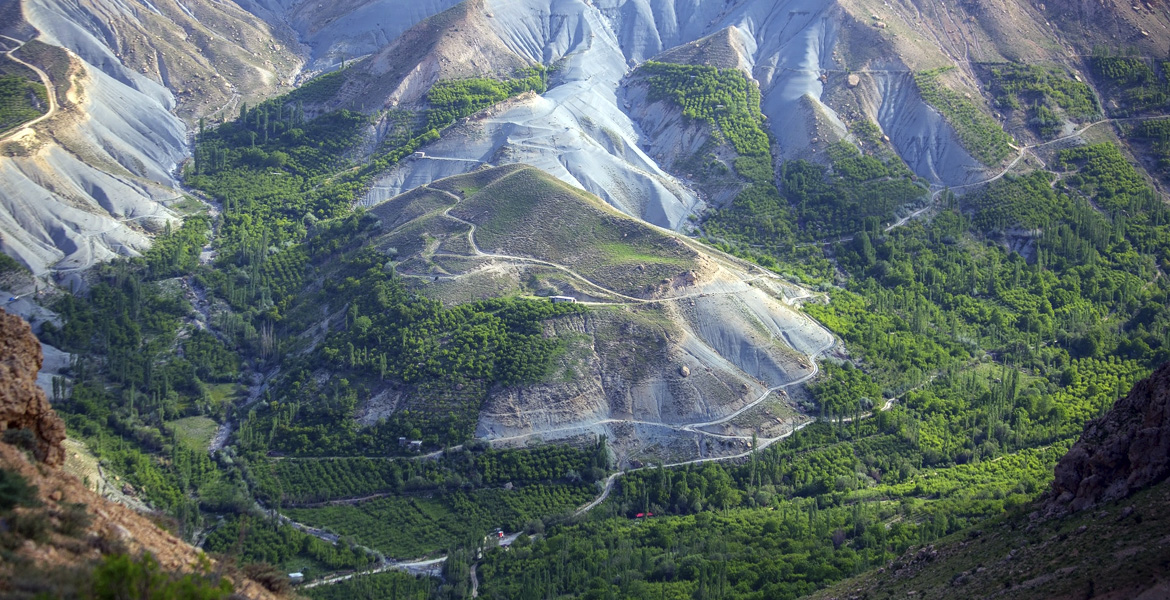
85, 527
345, 30
454, 44
788, 47
575, 131
673, 139
94, 181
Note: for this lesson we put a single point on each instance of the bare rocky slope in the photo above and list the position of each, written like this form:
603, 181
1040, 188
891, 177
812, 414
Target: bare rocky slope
819, 65
95, 181
99, 177
22, 403
52, 561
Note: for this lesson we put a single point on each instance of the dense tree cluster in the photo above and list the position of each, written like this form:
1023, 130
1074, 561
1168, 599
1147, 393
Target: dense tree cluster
845, 391
422, 525
1154, 135
724, 99
1042, 91
454, 99
257, 540
831, 508
1132, 81
292, 481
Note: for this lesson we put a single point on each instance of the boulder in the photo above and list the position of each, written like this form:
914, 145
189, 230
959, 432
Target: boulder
22, 402
1121, 452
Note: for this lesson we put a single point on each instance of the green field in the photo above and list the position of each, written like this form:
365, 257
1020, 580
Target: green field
194, 432
224, 392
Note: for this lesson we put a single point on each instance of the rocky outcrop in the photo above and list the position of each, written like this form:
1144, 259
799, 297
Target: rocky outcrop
106, 527
1120, 453
22, 403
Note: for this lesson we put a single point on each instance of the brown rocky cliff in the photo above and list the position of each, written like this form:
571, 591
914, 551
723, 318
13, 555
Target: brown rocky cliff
22, 402
1123, 451
110, 527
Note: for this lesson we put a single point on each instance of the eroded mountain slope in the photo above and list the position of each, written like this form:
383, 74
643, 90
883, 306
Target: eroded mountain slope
581, 130
94, 180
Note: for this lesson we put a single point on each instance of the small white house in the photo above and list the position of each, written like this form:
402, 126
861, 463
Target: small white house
562, 299
420, 154
296, 577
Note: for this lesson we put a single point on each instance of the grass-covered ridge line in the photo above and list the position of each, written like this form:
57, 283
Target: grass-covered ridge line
525, 212
981, 135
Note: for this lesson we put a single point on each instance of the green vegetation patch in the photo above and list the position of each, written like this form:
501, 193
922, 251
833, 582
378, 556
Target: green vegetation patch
1137, 85
979, 133
1045, 92
21, 100
253, 539
724, 99
454, 99
531, 214
194, 432
378, 586
1154, 136
53, 60
410, 527
9, 265
321, 88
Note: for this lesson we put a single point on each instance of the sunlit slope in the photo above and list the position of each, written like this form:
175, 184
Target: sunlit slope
678, 339
96, 179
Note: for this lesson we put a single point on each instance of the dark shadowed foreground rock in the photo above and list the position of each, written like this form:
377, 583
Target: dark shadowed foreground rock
22, 402
1124, 451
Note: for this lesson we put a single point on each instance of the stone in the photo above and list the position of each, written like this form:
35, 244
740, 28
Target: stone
22, 402
854, 79
120, 533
